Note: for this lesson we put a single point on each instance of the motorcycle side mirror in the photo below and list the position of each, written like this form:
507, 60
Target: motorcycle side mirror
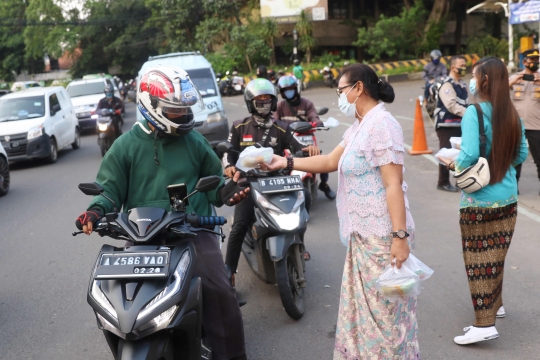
322, 111
224, 146
301, 127
208, 183
91, 188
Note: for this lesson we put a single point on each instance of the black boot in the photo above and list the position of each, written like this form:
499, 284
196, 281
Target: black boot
327, 191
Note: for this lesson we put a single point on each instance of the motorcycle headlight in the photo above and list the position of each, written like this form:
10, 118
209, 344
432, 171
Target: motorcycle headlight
215, 117
171, 290
35, 132
262, 201
102, 300
103, 126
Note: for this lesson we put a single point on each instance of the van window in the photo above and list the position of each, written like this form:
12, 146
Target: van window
53, 100
204, 81
22, 108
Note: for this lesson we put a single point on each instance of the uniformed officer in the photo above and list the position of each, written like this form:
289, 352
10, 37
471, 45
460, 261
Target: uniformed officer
260, 127
451, 106
526, 96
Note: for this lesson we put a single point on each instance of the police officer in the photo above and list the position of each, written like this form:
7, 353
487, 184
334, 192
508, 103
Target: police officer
432, 70
260, 127
451, 106
295, 108
526, 96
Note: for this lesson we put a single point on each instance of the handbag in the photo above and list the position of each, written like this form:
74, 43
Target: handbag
475, 177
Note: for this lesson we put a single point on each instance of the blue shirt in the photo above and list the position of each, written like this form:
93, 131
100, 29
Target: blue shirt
503, 192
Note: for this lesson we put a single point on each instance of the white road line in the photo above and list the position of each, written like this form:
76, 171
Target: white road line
427, 156
233, 104
404, 117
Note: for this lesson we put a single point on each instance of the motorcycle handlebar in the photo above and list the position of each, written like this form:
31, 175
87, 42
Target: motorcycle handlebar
206, 220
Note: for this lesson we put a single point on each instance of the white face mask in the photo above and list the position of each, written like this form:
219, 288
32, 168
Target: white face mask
348, 109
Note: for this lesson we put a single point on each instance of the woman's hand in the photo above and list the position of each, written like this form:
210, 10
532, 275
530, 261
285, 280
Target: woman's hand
399, 251
278, 162
312, 150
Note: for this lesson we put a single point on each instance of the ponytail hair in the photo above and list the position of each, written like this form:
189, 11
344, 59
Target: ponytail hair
375, 87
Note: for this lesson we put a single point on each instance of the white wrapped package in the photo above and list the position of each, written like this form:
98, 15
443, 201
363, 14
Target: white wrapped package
395, 284
456, 142
331, 123
252, 157
448, 154
423, 271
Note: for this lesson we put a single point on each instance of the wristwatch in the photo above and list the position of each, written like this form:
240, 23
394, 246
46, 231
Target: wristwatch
402, 234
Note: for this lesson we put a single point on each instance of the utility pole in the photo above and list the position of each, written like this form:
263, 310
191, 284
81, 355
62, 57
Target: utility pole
295, 49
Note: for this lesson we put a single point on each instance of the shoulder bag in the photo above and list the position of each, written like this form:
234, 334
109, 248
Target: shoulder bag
477, 176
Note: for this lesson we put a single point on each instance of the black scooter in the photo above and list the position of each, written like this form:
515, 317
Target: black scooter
106, 129
145, 297
275, 245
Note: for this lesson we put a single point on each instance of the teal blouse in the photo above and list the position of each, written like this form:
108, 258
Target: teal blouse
503, 192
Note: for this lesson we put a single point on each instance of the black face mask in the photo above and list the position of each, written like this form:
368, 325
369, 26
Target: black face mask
533, 66
462, 71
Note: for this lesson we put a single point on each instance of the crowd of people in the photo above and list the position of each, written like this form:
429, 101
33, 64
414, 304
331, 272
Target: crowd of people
376, 224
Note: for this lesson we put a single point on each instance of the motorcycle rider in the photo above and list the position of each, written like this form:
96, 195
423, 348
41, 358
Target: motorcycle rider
298, 72
295, 108
434, 69
451, 106
262, 72
260, 127
163, 150
112, 102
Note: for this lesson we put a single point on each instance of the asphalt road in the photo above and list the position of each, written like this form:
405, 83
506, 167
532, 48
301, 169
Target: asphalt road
45, 271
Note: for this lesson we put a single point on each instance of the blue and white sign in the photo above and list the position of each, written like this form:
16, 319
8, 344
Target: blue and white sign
524, 12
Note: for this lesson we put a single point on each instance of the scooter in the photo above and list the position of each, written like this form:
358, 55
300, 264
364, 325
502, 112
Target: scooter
106, 130
232, 85
328, 76
145, 297
433, 99
275, 245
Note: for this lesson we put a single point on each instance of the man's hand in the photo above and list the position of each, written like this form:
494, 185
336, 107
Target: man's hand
514, 79
399, 251
313, 150
278, 162
230, 171
537, 77
237, 197
86, 220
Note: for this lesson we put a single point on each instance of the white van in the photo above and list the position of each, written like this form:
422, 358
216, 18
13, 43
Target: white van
212, 122
37, 122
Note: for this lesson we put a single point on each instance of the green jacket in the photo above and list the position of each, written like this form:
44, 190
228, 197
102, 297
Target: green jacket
132, 178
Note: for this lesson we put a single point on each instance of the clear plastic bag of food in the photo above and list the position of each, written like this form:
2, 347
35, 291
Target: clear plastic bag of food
395, 284
252, 157
446, 156
455, 142
423, 271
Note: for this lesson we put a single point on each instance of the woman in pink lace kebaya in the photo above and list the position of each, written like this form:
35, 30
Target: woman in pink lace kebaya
372, 208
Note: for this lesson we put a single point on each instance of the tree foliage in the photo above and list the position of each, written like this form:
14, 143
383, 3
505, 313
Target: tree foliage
306, 40
12, 59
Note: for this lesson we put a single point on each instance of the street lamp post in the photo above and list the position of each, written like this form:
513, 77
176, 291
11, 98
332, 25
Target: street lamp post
295, 49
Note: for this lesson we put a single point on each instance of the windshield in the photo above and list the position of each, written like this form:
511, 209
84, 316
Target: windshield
22, 108
203, 80
86, 89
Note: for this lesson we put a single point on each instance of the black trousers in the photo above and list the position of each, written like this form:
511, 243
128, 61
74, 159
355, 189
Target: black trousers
243, 216
324, 178
444, 134
533, 137
222, 318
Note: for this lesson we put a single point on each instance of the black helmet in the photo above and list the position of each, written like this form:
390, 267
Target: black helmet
262, 72
109, 90
296, 62
258, 87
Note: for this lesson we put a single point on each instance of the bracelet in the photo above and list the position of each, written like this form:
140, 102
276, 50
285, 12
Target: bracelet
290, 163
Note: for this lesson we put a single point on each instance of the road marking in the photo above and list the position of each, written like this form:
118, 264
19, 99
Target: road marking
427, 156
404, 117
233, 104
529, 214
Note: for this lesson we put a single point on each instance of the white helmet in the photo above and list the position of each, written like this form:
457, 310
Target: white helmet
168, 99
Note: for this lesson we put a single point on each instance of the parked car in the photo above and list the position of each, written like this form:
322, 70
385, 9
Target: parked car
4, 171
212, 122
85, 95
37, 123
21, 85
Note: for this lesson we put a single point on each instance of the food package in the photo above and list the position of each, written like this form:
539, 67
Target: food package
395, 284
252, 157
447, 154
456, 142
423, 271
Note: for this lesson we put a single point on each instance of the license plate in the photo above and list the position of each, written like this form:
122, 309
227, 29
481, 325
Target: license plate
84, 114
306, 140
122, 264
280, 184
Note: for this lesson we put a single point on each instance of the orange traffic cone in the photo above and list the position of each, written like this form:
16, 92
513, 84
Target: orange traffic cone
419, 145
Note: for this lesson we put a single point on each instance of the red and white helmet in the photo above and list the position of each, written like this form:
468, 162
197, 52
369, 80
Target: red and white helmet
167, 98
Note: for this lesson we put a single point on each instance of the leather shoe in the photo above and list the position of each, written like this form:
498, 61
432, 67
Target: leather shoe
448, 187
327, 191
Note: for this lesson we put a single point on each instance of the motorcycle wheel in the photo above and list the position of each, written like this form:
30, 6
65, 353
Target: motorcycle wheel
4, 177
308, 184
104, 146
290, 291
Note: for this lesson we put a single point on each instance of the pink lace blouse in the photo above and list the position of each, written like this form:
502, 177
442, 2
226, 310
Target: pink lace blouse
361, 197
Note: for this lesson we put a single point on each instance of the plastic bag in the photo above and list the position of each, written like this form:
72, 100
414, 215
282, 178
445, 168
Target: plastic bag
448, 154
251, 157
456, 142
395, 284
423, 271
331, 123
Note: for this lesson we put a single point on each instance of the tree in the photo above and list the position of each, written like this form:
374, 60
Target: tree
306, 41
269, 31
12, 59
438, 12
44, 33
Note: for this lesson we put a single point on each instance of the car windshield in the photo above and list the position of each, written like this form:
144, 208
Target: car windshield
22, 108
92, 88
31, 85
203, 80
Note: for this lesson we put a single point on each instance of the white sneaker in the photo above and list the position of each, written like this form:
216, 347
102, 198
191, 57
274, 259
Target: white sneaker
501, 313
475, 334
